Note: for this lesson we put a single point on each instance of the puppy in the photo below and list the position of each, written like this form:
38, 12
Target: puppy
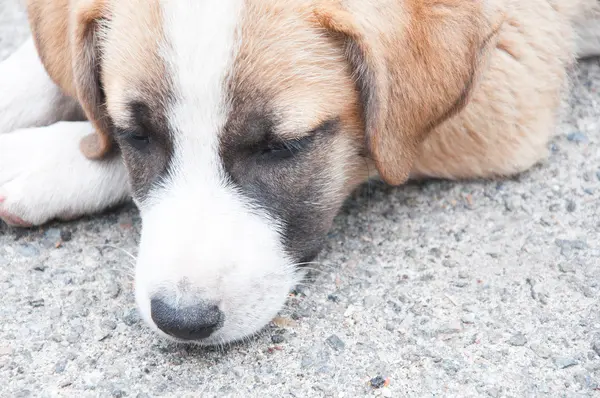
239, 127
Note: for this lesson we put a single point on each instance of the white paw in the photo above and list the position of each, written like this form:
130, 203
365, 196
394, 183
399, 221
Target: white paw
44, 176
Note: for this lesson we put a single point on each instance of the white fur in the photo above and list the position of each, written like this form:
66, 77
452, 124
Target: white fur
43, 175
28, 97
201, 239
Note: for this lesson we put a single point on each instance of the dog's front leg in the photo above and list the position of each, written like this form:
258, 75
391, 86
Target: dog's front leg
28, 97
44, 176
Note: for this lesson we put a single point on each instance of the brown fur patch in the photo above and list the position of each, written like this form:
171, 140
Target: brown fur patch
132, 69
417, 61
65, 34
49, 23
505, 127
285, 60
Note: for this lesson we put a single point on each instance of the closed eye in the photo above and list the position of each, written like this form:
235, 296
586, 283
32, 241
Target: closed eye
135, 139
279, 150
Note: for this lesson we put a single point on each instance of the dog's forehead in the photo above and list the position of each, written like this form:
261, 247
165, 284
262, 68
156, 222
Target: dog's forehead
161, 52
264, 55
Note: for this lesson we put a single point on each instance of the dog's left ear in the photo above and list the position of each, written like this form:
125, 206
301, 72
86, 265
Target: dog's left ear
67, 37
86, 58
415, 61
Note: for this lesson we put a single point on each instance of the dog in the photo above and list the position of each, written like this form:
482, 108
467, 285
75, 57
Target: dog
239, 127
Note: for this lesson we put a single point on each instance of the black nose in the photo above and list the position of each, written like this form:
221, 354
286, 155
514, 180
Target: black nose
194, 322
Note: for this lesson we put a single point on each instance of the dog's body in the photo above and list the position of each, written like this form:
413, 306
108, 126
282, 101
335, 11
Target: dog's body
244, 125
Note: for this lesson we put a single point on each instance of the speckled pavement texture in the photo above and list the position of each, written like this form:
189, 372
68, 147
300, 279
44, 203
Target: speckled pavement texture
443, 289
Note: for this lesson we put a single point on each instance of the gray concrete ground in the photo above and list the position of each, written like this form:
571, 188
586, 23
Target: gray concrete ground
444, 289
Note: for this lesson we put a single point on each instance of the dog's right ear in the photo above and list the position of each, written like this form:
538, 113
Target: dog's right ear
416, 63
66, 34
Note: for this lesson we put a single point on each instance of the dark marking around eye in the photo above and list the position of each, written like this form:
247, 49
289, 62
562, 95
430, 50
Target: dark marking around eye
146, 141
286, 178
142, 127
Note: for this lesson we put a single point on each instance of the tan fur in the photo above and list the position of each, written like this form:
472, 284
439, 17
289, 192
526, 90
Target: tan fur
65, 35
417, 62
506, 126
304, 88
511, 113
49, 23
132, 69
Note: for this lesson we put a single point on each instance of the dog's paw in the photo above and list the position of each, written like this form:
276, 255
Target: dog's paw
44, 176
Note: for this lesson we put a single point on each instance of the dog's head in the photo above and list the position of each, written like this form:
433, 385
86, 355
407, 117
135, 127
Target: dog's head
245, 124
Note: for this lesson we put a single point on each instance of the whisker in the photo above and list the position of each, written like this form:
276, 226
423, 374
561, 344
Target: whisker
310, 269
119, 249
305, 265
